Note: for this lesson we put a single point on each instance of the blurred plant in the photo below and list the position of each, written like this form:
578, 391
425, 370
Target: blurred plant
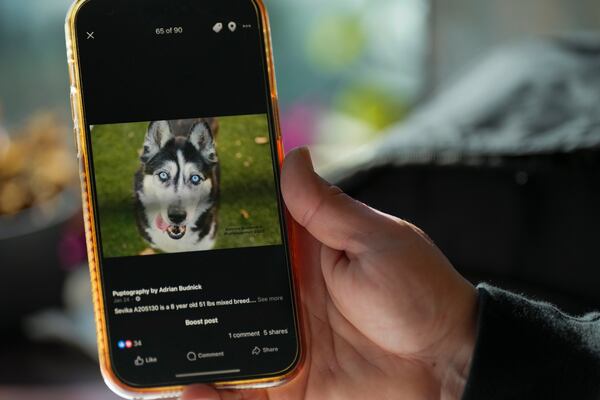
36, 164
375, 106
347, 66
72, 252
335, 41
299, 124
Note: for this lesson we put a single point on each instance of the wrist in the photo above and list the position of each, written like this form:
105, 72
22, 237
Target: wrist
453, 378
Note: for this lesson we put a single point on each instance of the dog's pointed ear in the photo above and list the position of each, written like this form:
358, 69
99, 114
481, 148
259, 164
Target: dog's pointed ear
157, 135
202, 138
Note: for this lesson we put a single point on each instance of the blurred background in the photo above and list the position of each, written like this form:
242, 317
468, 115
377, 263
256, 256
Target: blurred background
477, 120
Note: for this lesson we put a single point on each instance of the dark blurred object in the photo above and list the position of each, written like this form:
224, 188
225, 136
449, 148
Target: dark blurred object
39, 219
32, 268
77, 391
503, 171
47, 363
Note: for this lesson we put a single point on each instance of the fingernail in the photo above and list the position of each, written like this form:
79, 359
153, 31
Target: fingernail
305, 153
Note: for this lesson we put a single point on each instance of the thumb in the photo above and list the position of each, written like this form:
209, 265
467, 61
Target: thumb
200, 392
331, 216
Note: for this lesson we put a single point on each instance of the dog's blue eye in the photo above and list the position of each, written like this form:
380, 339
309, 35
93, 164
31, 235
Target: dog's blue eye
163, 176
196, 179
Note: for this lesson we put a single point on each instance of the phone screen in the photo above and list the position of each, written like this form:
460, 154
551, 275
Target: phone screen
182, 149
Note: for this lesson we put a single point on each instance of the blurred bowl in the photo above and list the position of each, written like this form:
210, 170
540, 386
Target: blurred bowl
32, 269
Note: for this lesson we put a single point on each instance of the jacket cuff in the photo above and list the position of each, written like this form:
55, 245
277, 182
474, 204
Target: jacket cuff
531, 350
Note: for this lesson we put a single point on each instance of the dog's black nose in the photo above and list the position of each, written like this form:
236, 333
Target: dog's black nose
177, 216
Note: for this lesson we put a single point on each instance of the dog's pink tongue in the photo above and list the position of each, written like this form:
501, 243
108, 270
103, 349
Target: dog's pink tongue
161, 224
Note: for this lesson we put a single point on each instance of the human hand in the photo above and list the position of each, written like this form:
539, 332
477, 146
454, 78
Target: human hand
386, 314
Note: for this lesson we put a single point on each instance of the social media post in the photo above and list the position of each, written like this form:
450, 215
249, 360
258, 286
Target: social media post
199, 309
189, 185
219, 324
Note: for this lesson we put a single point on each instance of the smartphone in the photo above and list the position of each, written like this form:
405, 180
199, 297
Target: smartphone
189, 243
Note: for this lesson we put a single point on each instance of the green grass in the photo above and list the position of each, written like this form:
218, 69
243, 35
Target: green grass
248, 213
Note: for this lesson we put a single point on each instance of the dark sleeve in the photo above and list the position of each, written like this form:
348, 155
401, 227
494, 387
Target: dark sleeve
531, 350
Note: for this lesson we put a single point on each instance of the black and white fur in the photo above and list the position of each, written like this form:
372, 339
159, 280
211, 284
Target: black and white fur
177, 185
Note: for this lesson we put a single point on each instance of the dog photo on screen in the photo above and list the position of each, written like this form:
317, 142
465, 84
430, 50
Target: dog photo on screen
185, 185
177, 185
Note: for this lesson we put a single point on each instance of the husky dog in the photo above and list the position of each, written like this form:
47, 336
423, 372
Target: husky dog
177, 185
